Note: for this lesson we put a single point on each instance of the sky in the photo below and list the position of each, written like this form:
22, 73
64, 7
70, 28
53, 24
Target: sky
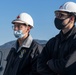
42, 12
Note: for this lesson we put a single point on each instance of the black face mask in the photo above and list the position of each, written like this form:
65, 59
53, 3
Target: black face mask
59, 23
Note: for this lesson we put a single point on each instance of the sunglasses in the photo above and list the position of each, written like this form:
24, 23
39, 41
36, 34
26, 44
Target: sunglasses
19, 26
62, 15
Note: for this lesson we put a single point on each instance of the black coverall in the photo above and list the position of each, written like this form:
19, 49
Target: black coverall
56, 53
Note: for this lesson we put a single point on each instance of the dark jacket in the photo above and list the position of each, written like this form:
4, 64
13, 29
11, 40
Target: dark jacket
23, 61
56, 53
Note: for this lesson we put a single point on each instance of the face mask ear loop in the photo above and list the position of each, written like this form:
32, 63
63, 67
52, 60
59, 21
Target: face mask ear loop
68, 21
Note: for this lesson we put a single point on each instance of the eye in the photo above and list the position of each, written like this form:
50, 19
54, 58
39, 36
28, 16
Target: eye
61, 15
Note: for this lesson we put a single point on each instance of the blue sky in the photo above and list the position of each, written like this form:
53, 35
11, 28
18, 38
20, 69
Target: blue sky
42, 12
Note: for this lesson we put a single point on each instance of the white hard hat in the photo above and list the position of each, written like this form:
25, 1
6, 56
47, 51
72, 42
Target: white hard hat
24, 18
68, 7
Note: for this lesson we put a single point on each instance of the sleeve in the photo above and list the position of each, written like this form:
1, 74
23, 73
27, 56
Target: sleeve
10, 53
45, 55
56, 65
36, 51
71, 60
71, 65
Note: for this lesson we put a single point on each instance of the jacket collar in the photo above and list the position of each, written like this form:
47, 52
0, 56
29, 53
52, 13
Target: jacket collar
67, 35
26, 43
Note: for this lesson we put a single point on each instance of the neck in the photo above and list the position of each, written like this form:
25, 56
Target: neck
65, 30
21, 40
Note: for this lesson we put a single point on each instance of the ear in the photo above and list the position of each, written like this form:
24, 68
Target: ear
28, 28
72, 18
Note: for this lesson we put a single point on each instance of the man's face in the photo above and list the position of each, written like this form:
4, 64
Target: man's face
62, 20
23, 27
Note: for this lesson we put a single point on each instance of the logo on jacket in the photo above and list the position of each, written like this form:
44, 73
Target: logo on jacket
22, 53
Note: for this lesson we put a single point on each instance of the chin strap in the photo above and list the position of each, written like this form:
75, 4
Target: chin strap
68, 22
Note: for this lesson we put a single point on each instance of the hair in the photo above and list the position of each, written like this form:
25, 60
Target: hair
73, 14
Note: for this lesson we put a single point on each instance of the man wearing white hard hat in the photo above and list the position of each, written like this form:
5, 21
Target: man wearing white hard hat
22, 58
56, 56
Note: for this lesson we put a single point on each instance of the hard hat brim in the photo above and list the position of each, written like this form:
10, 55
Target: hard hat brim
17, 21
63, 10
